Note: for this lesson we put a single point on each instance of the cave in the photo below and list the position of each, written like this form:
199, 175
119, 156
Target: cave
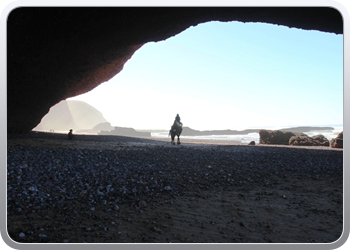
54, 53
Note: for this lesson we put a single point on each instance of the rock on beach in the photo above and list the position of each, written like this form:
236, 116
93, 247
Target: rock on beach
304, 140
276, 137
338, 141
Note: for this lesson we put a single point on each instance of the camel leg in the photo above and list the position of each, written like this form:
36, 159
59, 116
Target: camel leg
178, 140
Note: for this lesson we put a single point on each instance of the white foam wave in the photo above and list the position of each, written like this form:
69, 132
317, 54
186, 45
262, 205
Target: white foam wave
329, 134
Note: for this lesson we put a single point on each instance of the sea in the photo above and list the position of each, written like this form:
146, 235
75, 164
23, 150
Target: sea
246, 138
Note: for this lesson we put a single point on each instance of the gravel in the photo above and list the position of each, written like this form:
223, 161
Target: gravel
41, 178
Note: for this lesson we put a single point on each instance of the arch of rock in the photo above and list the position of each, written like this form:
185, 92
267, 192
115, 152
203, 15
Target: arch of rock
57, 53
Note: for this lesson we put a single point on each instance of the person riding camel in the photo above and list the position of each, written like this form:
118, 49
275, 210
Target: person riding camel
177, 120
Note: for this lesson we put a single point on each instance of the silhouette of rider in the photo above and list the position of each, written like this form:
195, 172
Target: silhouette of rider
177, 119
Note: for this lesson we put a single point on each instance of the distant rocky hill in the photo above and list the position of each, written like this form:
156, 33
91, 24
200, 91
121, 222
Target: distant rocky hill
125, 132
76, 115
106, 126
305, 129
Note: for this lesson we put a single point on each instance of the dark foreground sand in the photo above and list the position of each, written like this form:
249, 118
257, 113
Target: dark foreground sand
121, 189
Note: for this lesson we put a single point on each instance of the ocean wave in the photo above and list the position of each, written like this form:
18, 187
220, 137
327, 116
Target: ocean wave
246, 138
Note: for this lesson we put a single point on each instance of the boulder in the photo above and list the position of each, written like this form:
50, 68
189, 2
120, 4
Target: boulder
304, 140
251, 143
276, 137
338, 141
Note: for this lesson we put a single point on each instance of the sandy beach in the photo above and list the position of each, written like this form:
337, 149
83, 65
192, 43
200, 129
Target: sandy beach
114, 189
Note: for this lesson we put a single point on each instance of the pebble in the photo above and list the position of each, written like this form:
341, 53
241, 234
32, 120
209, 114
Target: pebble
142, 203
52, 177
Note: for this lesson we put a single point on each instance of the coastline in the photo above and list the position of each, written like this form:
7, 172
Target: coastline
46, 139
243, 136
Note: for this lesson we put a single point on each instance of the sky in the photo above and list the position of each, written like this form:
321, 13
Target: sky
228, 75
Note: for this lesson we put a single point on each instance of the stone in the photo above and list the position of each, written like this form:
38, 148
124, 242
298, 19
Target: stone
338, 141
44, 238
251, 143
304, 140
142, 203
276, 137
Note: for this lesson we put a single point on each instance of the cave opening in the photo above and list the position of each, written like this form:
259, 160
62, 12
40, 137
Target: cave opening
225, 75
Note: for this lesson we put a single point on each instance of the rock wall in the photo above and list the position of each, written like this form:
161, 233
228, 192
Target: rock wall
54, 53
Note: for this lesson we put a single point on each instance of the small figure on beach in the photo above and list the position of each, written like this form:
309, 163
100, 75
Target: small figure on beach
70, 134
176, 130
